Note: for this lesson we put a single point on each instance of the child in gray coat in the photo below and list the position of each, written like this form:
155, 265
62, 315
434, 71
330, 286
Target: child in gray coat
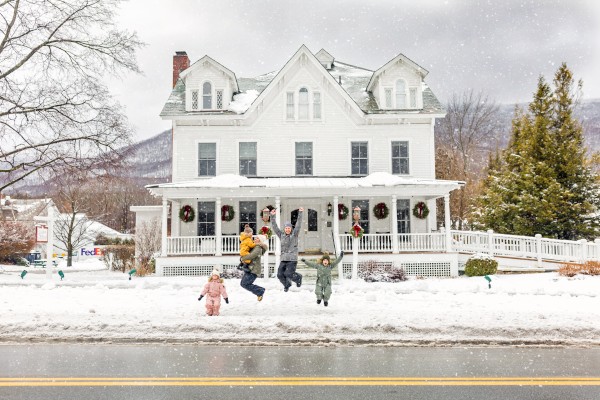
324, 267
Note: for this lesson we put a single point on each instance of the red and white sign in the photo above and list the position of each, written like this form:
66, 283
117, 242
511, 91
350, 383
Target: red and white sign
41, 234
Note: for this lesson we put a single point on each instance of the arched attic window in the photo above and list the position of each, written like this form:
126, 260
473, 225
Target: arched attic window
303, 103
207, 96
400, 94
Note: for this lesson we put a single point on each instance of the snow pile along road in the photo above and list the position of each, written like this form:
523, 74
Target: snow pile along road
101, 306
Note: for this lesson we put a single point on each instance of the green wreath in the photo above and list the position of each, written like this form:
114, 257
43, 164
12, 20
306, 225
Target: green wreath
186, 213
356, 231
227, 213
420, 210
381, 211
342, 212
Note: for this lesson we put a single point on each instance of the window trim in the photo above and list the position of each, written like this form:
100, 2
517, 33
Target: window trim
410, 217
257, 213
312, 142
320, 103
197, 93
369, 158
410, 97
216, 212
285, 110
397, 107
391, 103
308, 104
212, 89
311, 104
238, 154
391, 164
197, 158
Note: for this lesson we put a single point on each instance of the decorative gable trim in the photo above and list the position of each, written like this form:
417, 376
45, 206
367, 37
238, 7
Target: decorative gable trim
399, 58
206, 59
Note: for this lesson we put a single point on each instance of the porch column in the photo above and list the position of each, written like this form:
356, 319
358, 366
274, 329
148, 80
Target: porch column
218, 235
175, 224
336, 235
447, 222
165, 209
394, 224
277, 241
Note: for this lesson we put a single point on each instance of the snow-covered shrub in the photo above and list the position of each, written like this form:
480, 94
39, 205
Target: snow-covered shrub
118, 258
480, 265
376, 271
147, 245
232, 273
16, 239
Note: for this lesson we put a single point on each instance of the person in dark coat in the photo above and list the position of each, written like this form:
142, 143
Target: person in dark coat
324, 267
252, 270
286, 273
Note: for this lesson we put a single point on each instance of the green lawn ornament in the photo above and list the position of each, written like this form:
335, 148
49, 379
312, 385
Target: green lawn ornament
133, 271
61, 274
23, 274
487, 278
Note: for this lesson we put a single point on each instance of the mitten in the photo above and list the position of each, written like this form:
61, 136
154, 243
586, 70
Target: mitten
227, 300
342, 253
303, 259
200, 298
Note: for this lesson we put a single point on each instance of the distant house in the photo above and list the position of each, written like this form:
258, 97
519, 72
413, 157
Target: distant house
318, 133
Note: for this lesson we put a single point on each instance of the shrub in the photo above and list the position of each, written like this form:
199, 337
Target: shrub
480, 265
376, 271
232, 273
118, 258
16, 239
572, 269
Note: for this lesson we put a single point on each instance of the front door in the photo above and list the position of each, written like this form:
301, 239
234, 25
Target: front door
309, 240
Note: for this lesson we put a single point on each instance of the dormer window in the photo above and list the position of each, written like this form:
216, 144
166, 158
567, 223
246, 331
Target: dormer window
413, 97
207, 96
400, 94
194, 99
303, 105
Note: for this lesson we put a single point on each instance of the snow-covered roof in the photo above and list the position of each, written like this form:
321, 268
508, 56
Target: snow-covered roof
307, 186
354, 80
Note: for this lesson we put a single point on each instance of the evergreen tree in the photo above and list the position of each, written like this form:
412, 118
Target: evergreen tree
541, 183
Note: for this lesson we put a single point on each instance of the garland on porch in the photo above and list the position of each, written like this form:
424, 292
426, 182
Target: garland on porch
342, 212
227, 213
420, 210
186, 213
265, 230
381, 210
356, 231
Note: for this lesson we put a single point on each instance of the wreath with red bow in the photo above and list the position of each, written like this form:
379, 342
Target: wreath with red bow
356, 231
381, 211
420, 210
186, 213
342, 212
265, 230
227, 213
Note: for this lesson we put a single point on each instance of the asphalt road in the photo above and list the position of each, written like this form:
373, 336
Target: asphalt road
101, 371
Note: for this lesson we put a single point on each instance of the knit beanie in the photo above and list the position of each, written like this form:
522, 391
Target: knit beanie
287, 224
215, 272
325, 256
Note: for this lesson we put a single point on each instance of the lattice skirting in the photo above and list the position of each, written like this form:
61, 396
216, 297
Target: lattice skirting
423, 268
202, 270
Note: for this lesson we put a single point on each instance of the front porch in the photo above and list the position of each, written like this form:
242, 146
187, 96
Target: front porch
211, 237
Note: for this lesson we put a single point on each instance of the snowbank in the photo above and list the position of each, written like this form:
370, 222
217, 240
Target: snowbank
540, 309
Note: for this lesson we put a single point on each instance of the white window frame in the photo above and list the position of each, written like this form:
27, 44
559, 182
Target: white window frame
320, 103
238, 154
308, 104
286, 114
222, 93
412, 98
312, 142
391, 164
397, 106
296, 105
197, 93
196, 143
410, 218
369, 158
212, 89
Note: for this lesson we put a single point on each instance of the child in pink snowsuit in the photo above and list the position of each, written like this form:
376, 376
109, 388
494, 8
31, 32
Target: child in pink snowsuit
213, 291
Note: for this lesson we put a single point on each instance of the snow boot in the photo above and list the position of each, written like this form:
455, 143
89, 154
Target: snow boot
299, 283
318, 301
325, 303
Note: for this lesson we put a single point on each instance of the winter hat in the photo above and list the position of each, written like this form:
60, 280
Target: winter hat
248, 230
287, 223
263, 238
215, 272
325, 256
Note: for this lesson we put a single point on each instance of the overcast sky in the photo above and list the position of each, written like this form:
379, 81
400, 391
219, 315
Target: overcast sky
499, 47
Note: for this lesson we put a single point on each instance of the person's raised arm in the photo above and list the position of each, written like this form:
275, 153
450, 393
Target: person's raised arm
337, 260
298, 226
274, 223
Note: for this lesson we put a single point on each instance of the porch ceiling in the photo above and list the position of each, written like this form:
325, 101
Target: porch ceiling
235, 186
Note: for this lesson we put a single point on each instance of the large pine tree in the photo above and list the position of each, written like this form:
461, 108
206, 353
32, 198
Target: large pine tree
542, 183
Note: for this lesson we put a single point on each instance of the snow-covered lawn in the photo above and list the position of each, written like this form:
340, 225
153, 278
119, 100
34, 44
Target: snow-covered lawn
105, 306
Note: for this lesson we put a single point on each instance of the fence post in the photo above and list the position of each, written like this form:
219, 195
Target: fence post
538, 249
355, 258
583, 250
597, 246
490, 233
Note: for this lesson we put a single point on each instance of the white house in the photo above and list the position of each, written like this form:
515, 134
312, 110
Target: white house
318, 133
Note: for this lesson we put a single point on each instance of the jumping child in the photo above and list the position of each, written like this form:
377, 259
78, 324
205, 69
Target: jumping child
324, 267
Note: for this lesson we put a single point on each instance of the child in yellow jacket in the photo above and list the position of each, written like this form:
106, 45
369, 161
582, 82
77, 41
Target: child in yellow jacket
246, 244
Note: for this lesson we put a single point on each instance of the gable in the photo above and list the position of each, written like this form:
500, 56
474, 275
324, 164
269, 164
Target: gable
400, 62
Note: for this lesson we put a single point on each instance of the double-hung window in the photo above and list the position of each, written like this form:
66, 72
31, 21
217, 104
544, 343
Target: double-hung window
316, 105
400, 94
360, 158
304, 158
206, 218
400, 158
207, 159
289, 107
248, 215
303, 104
207, 96
248, 158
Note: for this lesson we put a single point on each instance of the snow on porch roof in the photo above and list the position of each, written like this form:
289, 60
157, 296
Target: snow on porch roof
378, 179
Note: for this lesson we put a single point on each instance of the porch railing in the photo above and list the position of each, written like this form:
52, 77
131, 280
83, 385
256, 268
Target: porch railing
206, 245
407, 242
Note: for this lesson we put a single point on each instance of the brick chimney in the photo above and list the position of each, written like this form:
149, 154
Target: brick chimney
180, 63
